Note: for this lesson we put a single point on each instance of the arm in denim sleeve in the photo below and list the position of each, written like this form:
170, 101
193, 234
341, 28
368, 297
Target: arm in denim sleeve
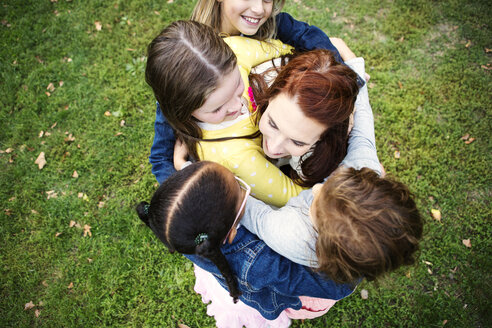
303, 36
161, 153
361, 151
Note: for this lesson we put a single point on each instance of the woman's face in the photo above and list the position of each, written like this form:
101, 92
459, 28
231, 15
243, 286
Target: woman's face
286, 130
244, 16
224, 104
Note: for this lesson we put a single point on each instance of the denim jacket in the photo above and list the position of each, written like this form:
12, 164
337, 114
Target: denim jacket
269, 282
290, 31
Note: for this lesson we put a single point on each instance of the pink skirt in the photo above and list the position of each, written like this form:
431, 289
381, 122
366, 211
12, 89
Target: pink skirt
228, 314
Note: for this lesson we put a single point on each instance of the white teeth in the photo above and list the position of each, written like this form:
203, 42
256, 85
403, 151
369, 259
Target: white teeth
251, 20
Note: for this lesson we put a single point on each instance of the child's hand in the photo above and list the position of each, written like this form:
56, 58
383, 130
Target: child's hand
180, 154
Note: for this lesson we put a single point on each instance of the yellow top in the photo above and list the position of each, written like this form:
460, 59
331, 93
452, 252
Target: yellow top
245, 157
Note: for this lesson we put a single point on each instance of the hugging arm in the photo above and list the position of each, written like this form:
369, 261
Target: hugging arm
361, 151
303, 36
161, 153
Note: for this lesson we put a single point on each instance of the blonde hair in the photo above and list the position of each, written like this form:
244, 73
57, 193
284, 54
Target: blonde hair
367, 225
209, 13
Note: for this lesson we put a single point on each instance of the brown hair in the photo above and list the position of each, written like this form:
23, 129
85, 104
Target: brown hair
367, 225
209, 12
179, 216
184, 66
326, 92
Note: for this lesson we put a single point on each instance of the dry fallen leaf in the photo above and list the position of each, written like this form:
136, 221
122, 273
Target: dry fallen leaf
41, 161
70, 286
61, 83
468, 44
156, 12
89, 260
29, 305
70, 138
397, 154
37, 312
41, 134
34, 212
50, 87
48, 94
57, 234
469, 141
53, 126
100, 204
107, 113
400, 85
51, 194
122, 123
44, 283
170, 1
467, 243
72, 223
436, 214
87, 230
98, 25
118, 134
364, 294
181, 325
75, 175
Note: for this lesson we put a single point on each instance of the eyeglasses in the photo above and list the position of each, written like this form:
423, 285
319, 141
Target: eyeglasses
247, 188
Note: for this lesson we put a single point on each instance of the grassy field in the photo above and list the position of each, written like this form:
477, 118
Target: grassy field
73, 253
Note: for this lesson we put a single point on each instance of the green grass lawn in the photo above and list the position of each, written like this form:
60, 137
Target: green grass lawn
72, 87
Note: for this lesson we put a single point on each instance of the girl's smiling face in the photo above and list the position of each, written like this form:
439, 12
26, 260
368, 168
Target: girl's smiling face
225, 103
286, 130
244, 16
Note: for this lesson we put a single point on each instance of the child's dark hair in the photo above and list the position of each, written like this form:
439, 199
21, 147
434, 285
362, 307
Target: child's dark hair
367, 225
187, 222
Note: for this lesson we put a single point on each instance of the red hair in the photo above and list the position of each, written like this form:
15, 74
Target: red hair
326, 92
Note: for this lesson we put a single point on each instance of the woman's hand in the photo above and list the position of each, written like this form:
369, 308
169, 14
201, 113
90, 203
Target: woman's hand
180, 154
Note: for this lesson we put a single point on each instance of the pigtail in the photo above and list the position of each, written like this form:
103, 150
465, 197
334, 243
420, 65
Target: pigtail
143, 212
213, 253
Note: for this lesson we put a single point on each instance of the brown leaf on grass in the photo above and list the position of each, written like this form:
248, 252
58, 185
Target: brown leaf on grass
69, 138
89, 260
465, 137
34, 212
364, 294
11, 199
100, 204
41, 160
181, 325
44, 283
156, 12
61, 83
107, 113
57, 234
39, 59
70, 285
72, 223
41, 134
56, 13
467, 243
118, 134
75, 175
53, 126
80, 195
397, 154
486, 67
469, 141
400, 85
29, 305
8, 211
436, 214
170, 1
444, 322
98, 25
87, 230
468, 44
8, 150
122, 123
130, 49
37, 312
50, 87
51, 194
487, 50
48, 94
